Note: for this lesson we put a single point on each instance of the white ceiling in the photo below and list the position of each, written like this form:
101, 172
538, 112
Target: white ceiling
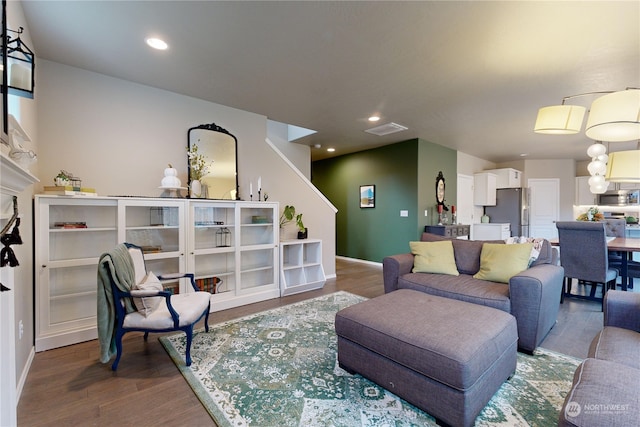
467, 75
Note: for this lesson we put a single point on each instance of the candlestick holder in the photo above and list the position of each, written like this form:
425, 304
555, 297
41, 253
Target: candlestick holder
259, 195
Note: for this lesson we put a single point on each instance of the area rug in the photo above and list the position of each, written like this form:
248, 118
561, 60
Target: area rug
279, 368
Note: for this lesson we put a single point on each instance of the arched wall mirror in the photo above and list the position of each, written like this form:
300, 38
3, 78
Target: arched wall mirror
219, 146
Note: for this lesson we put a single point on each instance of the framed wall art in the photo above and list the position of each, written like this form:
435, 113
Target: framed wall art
367, 196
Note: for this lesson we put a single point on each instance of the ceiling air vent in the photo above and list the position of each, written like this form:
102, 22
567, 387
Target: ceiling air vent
386, 129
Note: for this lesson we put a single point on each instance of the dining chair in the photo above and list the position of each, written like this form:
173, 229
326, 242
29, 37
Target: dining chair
617, 228
584, 257
132, 299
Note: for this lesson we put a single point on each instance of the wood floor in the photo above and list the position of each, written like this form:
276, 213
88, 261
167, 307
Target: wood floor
69, 387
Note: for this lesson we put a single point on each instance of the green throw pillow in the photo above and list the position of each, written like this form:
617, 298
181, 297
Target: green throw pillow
498, 262
434, 257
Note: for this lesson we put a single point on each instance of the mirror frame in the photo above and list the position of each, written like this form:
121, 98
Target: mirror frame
214, 128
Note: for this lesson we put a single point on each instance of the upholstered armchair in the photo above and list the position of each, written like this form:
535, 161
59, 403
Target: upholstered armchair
132, 299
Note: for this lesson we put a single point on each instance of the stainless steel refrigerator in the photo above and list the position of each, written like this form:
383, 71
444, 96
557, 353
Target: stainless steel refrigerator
512, 206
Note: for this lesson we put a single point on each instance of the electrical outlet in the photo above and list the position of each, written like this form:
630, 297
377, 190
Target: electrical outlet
404, 213
20, 329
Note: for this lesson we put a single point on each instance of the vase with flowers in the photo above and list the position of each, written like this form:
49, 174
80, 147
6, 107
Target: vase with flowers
592, 214
198, 168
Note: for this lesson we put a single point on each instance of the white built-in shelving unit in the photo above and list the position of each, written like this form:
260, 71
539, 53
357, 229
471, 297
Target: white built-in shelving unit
234, 242
301, 266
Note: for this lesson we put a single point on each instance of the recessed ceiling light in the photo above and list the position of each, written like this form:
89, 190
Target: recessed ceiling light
524, 154
157, 43
331, 150
374, 118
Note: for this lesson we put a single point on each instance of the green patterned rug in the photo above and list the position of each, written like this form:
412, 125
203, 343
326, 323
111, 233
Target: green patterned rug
279, 368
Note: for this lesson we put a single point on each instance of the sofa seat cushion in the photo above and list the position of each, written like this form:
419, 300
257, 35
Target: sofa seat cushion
462, 288
603, 394
617, 345
448, 341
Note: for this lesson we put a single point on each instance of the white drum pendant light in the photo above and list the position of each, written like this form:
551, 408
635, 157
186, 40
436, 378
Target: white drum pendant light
624, 166
559, 119
615, 117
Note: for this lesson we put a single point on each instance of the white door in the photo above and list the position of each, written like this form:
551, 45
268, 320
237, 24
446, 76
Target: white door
544, 207
464, 201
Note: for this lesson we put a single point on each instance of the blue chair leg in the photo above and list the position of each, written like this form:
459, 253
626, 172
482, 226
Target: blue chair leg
206, 321
189, 332
119, 335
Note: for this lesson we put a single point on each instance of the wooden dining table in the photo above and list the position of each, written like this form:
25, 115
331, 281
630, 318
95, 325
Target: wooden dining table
627, 245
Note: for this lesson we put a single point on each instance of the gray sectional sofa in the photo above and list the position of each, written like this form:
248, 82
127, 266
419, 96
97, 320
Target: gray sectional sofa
606, 386
532, 296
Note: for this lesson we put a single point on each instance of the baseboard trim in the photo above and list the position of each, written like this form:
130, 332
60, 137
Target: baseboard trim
23, 375
363, 261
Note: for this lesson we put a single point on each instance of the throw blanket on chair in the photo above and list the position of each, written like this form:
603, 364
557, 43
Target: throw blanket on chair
115, 265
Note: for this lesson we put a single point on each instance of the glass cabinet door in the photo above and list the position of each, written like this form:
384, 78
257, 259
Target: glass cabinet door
212, 250
157, 226
71, 235
258, 252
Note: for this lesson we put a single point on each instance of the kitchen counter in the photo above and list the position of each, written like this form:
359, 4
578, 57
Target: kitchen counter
490, 231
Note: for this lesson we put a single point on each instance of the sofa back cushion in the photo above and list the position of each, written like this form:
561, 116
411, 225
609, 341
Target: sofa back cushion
467, 252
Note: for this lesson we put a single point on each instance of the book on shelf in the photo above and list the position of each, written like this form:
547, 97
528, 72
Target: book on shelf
70, 224
68, 190
209, 284
151, 249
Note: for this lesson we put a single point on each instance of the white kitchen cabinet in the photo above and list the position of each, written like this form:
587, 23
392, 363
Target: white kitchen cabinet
301, 266
627, 186
507, 177
584, 196
490, 231
484, 189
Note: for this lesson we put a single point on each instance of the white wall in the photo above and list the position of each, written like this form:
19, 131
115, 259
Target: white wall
298, 154
118, 136
24, 110
468, 165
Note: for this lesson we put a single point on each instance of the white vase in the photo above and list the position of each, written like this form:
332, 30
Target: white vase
196, 188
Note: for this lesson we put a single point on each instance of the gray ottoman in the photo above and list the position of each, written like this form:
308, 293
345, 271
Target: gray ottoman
446, 357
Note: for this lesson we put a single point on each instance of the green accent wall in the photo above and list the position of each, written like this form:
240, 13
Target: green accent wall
404, 175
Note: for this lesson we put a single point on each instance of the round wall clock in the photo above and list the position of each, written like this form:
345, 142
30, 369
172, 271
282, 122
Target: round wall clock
440, 188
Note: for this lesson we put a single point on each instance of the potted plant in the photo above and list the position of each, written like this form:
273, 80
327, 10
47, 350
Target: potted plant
288, 215
62, 179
